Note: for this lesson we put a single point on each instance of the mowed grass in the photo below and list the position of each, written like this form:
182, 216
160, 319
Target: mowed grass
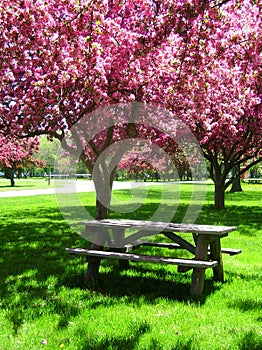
44, 304
25, 184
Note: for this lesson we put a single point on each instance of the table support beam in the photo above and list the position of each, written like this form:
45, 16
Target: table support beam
182, 242
93, 263
215, 253
198, 276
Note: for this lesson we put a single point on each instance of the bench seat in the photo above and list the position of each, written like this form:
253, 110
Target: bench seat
175, 246
144, 258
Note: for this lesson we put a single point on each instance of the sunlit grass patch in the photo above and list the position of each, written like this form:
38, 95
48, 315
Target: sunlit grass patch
43, 299
25, 184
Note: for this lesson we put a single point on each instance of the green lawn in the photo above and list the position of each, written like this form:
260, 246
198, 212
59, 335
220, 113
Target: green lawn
25, 184
43, 300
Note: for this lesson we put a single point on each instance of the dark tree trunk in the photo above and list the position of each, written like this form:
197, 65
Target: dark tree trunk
103, 186
102, 211
236, 184
92, 271
219, 195
10, 174
218, 175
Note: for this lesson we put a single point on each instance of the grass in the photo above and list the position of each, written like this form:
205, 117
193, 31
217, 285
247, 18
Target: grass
43, 300
25, 184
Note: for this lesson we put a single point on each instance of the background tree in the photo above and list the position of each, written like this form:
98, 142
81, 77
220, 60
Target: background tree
61, 60
216, 88
256, 170
48, 150
236, 180
17, 155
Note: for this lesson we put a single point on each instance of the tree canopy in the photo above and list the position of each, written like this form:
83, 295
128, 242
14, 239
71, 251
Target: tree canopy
201, 60
16, 155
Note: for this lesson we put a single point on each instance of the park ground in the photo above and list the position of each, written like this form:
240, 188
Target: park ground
44, 304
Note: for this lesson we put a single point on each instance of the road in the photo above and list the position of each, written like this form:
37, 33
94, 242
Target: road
77, 186
88, 186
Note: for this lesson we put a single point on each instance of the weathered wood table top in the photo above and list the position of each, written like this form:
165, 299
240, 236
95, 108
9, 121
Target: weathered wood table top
116, 234
158, 226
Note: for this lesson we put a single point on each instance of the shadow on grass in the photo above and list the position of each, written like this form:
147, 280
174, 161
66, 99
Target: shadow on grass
141, 280
247, 276
34, 264
248, 220
246, 304
131, 340
250, 340
16, 186
43, 233
128, 341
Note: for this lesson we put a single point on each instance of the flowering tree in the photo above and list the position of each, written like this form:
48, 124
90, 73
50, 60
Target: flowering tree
147, 161
142, 165
17, 154
216, 88
60, 61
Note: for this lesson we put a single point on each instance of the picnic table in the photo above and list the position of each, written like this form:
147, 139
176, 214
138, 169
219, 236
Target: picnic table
88, 176
59, 176
121, 237
253, 180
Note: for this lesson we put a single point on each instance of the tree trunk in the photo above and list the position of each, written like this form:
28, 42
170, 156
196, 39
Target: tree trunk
92, 271
219, 195
102, 212
49, 174
103, 186
218, 175
10, 174
236, 184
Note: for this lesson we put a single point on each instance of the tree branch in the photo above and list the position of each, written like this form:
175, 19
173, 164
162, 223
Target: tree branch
220, 4
250, 165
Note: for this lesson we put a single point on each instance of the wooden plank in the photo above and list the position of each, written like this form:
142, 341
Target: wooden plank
160, 226
154, 244
254, 180
215, 254
198, 275
231, 251
176, 246
183, 243
143, 258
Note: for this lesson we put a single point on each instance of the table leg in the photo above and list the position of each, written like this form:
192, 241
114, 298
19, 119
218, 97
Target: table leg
118, 236
93, 264
92, 270
215, 254
198, 275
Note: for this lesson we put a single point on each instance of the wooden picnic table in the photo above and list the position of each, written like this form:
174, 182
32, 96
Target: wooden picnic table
122, 236
88, 176
253, 180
